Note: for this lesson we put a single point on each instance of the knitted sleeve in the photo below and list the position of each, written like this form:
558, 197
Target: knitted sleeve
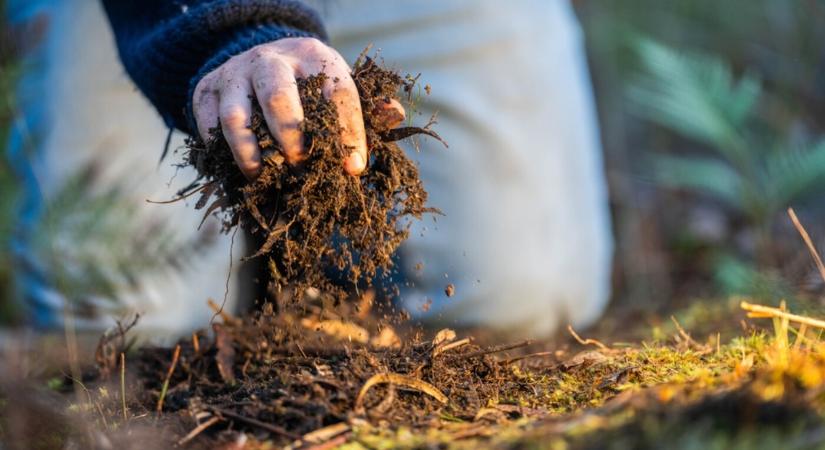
167, 46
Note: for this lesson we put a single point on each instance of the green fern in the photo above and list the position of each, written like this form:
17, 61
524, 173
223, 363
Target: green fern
753, 170
94, 249
698, 97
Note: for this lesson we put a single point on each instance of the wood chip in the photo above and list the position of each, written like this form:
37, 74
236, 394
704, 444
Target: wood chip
443, 336
322, 435
338, 329
387, 338
225, 356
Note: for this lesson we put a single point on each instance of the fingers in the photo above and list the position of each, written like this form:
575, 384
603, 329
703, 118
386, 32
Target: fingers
340, 89
351, 120
235, 113
269, 73
277, 93
205, 107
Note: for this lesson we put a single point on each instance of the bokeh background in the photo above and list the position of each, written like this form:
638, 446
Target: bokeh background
711, 116
712, 126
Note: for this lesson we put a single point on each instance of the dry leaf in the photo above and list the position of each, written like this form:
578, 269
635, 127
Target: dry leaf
403, 380
338, 329
586, 359
386, 339
443, 336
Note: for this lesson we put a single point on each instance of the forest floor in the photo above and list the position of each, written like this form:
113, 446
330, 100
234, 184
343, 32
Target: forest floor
321, 381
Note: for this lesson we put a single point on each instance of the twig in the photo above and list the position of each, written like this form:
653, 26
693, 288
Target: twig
585, 341
123, 385
362, 56
808, 242
446, 347
165, 387
179, 197
761, 311
496, 349
219, 311
102, 415
507, 362
199, 429
254, 422
683, 333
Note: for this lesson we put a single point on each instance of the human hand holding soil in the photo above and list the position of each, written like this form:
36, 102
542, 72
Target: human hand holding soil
268, 73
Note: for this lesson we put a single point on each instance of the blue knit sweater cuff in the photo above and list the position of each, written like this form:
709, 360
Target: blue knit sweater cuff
245, 40
167, 48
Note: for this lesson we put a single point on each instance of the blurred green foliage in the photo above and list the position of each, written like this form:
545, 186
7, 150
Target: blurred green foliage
9, 74
753, 170
90, 239
95, 243
736, 90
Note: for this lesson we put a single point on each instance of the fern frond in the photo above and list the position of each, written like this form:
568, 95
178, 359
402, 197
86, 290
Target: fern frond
708, 175
95, 249
695, 95
795, 172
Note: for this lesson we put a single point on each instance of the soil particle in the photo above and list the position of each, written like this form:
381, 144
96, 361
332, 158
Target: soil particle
449, 290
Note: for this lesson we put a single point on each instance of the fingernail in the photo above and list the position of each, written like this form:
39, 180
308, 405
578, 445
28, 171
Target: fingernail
356, 163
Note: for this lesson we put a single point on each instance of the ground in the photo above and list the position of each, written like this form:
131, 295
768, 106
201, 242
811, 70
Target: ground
277, 380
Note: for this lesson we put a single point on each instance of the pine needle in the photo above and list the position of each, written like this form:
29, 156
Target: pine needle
169, 373
585, 341
123, 386
808, 242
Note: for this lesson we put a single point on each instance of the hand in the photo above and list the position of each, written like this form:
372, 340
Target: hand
268, 73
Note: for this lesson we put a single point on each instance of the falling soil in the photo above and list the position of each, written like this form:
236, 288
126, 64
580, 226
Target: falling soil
319, 228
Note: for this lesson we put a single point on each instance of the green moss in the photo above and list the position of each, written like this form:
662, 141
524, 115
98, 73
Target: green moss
753, 391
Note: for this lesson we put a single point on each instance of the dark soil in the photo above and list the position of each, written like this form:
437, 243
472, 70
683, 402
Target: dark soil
319, 227
297, 375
